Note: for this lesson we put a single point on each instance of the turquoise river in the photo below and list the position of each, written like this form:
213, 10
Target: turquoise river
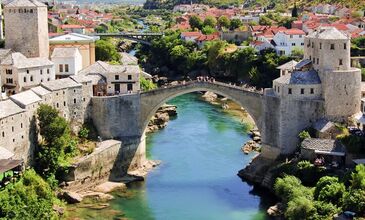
197, 179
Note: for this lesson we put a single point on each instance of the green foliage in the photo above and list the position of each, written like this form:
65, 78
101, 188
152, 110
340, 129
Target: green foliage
303, 135
84, 133
358, 177
146, 84
332, 193
354, 200
30, 198
235, 23
325, 210
208, 30
210, 21
195, 22
300, 208
297, 53
324, 181
106, 51
353, 143
224, 22
57, 146
290, 187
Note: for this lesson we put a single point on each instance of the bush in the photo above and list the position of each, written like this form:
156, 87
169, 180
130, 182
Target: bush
358, 177
290, 187
303, 135
84, 133
324, 181
326, 210
30, 198
332, 193
300, 208
146, 84
354, 201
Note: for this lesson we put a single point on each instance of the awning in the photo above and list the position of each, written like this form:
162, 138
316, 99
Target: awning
6, 165
5, 153
359, 161
332, 153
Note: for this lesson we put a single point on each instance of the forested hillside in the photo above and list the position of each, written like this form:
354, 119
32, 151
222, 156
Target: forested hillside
168, 4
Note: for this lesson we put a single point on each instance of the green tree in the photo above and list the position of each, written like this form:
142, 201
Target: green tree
224, 22
290, 187
210, 21
294, 12
208, 30
235, 23
300, 208
146, 84
324, 181
264, 20
297, 53
195, 22
332, 193
325, 210
303, 135
30, 198
354, 200
358, 177
106, 51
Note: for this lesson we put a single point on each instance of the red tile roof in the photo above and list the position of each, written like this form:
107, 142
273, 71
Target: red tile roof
72, 26
294, 31
191, 34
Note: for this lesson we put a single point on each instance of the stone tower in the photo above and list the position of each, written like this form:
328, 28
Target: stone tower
26, 27
329, 51
1, 23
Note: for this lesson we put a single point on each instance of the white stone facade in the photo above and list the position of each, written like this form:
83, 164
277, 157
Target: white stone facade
20, 73
287, 41
26, 27
67, 61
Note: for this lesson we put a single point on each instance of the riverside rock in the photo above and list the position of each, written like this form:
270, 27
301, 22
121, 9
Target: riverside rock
161, 118
71, 197
210, 96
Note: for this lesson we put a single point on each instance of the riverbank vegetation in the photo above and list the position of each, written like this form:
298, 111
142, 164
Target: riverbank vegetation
328, 196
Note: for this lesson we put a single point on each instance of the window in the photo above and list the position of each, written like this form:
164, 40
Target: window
41, 80
74, 101
31, 10
289, 91
3, 134
25, 79
9, 80
57, 105
66, 68
27, 71
320, 45
48, 79
300, 36
64, 103
21, 125
41, 71
293, 44
312, 91
129, 77
340, 62
345, 46
312, 44
291, 36
332, 46
116, 77
129, 86
301, 91
314, 60
310, 57
12, 128
47, 71
9, 71
317, 60
60, 67
302, 44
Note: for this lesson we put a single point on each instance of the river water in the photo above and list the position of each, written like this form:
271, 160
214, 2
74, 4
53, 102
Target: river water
200, 154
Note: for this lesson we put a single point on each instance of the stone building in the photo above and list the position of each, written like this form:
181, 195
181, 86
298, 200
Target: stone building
85, 44
116, 79
67, 61
19, 73
26, 27
328, 49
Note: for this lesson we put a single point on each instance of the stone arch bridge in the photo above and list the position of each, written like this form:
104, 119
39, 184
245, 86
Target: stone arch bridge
125, 117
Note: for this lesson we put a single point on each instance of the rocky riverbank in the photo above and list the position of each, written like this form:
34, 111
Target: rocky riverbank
161, 118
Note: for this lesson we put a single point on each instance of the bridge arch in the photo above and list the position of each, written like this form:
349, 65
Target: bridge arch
152, 100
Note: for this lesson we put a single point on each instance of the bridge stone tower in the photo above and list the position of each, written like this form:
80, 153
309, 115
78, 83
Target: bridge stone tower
26, 27
329, 51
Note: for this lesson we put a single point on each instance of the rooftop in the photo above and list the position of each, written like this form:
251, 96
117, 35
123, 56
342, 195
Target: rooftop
323, 125
25, 98
329, 33
81, 78
323, 145
24, 3
300, 78
73, 37
18, 60
288, 66
62, 52
60, 84
8, 108
101, 67
39, 90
